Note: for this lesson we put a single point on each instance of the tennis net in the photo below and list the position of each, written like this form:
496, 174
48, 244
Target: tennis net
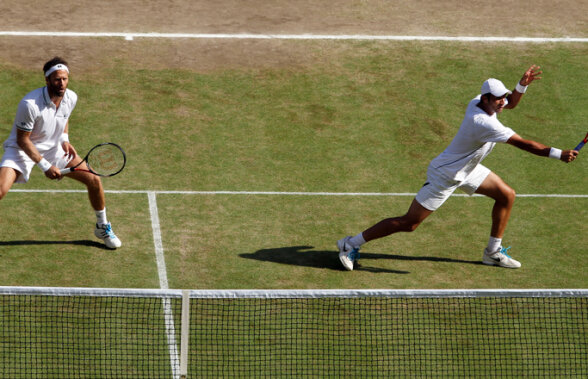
123, 333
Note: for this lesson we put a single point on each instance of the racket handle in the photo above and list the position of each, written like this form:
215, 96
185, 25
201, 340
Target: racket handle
577, 148
67, 170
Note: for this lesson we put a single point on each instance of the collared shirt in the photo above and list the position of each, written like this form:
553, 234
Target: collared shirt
477, 135
37, 114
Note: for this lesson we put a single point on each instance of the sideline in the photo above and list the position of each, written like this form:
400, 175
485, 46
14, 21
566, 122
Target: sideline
352, 37
279, 193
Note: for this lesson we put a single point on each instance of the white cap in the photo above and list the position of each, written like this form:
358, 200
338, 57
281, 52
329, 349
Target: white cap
495, 87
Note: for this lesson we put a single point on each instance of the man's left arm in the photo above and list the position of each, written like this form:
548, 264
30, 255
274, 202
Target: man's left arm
66, 145
542, 150
528, 77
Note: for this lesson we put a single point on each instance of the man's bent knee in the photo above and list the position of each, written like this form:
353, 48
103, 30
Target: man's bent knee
7, 178
408, 226
91, 181
508, 195
411, 227
94, 182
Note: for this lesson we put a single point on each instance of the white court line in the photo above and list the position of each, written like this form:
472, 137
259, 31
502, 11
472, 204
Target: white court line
357, 37
280, 193
163, 284
157, 241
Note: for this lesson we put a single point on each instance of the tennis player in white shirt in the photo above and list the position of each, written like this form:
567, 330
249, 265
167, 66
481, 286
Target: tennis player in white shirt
39, 136
459, 166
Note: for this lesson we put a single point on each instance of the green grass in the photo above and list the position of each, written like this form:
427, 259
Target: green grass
266, 249
58, 248
367, 117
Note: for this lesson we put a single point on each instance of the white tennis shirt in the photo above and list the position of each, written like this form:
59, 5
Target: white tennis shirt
37, 114
475, 139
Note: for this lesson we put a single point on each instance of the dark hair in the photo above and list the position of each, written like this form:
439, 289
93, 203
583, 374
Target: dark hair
487, 95
53, 62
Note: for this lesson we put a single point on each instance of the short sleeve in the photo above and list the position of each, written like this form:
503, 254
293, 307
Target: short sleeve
25, 116
492, 130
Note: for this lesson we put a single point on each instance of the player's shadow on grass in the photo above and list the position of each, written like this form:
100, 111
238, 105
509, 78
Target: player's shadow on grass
88, 243
329, 259
429, 259
305, 256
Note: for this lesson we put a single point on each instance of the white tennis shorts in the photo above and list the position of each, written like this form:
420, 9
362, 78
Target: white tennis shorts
18, 160
438, 188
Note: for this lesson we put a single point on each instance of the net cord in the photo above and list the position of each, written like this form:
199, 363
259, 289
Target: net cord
312, 293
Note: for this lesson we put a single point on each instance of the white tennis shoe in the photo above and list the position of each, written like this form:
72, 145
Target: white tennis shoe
347, 253
105, 233
500, 258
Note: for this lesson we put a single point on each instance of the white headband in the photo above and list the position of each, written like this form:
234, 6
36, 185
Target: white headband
58, 66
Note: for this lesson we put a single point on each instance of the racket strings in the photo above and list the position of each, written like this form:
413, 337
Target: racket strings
107, 159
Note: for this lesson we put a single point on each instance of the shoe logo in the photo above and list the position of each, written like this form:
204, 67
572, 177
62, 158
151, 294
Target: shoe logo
496, 258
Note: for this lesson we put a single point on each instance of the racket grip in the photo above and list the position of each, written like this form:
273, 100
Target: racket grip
577, 148
66, 170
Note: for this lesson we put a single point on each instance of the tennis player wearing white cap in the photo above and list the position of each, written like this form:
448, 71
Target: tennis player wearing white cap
39, 137
459, 166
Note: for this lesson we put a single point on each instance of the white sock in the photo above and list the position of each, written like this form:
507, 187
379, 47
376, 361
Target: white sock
494, 244
101, 217
357, 241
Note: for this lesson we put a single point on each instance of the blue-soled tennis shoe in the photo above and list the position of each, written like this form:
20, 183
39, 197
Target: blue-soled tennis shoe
105, 233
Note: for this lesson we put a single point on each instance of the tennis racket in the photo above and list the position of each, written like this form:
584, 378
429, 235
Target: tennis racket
577, 148
105, 159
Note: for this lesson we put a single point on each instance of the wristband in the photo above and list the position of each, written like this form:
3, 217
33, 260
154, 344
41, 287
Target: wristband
555, 153
44, 164
520, 88
64, 138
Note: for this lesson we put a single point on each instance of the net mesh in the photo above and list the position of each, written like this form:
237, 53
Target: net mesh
82, 337
383, 337
120, 336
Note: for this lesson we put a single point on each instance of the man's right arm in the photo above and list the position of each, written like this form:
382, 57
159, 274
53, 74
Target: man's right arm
23, 139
